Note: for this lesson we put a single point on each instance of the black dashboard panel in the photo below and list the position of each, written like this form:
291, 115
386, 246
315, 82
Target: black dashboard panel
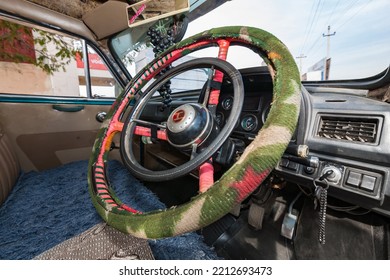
349, 134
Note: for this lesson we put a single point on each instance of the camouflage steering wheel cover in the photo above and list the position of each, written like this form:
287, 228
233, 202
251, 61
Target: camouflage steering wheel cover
258, 160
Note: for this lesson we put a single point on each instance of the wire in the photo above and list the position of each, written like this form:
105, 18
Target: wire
344, 11
314, 45
290, 208
307, 25
334, 9
351, 17
346, 209
349, 209
343, 208
359, 214
304, 192
314, 22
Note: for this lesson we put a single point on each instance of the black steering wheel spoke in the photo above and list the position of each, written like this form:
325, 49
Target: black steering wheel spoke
149, 124
205, 92
194, 151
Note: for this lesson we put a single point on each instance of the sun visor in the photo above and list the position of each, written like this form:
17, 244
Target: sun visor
115, 16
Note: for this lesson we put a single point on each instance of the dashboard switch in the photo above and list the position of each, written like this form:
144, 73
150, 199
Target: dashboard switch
368, 183
284, 163
293, 166
354, 179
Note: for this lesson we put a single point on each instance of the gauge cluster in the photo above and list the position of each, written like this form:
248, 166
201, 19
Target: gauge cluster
257, 103
253, 115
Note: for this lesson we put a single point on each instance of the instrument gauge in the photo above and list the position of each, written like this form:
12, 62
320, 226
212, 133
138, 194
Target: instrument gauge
249, 123
227, 103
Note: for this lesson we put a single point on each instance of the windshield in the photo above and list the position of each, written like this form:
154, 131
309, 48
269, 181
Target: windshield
330, 39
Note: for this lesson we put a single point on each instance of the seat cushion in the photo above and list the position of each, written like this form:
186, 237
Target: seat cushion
46, 208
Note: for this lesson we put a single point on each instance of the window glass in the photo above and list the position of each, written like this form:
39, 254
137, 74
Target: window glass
37, 62
103, 85
330, 40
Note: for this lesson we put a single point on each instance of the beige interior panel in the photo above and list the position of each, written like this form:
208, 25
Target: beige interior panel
9, 167
114, 12
41, 148
70, 155
38, 131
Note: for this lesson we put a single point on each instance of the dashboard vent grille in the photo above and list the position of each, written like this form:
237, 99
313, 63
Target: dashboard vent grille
362, 130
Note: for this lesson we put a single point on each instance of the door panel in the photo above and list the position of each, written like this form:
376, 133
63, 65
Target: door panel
48, 91
44, 137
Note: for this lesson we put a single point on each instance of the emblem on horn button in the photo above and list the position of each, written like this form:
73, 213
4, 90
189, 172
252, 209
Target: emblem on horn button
189, 124
178, 116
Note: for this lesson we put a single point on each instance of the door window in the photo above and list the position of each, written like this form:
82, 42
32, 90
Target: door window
37, 62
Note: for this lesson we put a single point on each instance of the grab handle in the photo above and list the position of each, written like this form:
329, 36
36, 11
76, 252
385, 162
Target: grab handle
69, 109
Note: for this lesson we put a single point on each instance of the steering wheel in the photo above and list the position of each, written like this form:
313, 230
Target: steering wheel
255, 164
190, 128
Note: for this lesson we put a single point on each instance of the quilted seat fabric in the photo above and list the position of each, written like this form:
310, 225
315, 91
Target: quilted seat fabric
46, 208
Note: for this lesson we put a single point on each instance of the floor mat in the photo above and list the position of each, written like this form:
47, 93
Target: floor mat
350, 237
241, 241
46, 208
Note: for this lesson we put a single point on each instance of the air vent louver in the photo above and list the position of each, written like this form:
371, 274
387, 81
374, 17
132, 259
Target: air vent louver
362, 130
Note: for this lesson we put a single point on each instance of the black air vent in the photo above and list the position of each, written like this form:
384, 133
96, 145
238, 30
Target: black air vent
363, 130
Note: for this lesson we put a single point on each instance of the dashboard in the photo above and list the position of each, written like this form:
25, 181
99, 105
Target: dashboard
349, 134
257, 103
344, 132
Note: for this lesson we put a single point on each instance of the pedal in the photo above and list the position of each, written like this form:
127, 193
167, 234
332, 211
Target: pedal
290, 220
256, 216
288, 225
236, 210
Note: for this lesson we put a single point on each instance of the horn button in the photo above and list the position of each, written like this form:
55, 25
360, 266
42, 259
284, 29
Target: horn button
190, 124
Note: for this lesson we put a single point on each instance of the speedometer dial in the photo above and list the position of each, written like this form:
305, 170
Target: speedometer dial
249, 123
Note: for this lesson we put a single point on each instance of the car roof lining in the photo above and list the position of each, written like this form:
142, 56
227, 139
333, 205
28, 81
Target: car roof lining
36, 14
72, 8
94, 14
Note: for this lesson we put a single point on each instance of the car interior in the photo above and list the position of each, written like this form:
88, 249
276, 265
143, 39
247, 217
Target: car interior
187, 157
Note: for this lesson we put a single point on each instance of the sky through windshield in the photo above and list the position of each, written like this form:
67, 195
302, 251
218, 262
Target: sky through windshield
359, 34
